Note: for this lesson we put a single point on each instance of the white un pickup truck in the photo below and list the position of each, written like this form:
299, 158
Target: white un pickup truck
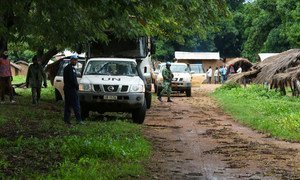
113, 85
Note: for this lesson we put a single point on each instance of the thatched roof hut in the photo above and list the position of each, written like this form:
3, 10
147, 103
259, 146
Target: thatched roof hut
276, 64
236, 62
243, 77
279, 71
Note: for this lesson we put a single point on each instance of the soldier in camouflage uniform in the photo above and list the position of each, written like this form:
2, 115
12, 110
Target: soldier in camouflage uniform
167, 76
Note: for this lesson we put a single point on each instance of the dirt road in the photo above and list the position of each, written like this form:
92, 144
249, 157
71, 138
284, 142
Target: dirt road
193, 138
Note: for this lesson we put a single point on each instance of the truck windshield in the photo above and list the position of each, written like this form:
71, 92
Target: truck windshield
65, 62
126, 48
197, 68
115, 68
178, 68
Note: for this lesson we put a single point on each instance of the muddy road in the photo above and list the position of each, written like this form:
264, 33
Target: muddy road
193, 138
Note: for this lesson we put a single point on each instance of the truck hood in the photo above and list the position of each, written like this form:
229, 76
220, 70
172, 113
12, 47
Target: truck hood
181, 75
111, 80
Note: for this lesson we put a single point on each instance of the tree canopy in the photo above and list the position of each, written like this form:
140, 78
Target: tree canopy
251, 28
54, 24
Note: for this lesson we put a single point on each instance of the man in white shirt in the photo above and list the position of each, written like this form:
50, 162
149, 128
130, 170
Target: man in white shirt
239, 70
209, 75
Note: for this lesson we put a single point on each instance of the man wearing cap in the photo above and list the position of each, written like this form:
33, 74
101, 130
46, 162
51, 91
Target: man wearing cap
5, 78
71, 88
167, 76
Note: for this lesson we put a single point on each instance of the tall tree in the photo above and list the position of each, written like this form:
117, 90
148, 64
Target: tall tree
270, 26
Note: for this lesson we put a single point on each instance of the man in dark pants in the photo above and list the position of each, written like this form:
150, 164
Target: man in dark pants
35, 78
71, 92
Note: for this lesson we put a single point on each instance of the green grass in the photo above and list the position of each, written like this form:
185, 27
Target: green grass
263, 110
19, 79
35, 143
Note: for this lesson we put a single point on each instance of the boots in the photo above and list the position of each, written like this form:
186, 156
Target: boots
169, 100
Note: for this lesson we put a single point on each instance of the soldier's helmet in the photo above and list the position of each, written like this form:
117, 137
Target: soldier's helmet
168, 64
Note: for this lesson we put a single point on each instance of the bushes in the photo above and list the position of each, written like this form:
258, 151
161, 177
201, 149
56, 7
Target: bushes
230, 85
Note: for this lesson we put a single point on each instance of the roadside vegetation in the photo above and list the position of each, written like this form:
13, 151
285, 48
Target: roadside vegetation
262, 109
35, 143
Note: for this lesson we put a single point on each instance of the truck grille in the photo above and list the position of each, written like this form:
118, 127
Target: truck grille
124, 89
177, 79
97, 88
111, 88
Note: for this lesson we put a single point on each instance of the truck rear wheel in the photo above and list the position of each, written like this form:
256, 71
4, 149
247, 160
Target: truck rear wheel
138, 115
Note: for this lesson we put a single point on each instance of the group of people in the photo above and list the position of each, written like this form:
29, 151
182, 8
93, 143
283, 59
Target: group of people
36, 78
221, 74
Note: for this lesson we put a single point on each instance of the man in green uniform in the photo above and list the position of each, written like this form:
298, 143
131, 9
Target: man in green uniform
167, 76
35, 77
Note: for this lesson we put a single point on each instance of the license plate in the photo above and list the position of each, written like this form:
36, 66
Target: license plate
108, 97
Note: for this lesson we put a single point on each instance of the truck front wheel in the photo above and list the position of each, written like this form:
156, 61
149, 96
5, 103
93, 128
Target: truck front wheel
84, 112
148, 99
188, 92
138, 115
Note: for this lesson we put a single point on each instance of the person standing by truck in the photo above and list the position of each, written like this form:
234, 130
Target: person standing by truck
35, 77
167, 88
71, 88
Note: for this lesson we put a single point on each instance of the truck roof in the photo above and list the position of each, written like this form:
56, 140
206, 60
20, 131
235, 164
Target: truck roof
112, 59
176, 63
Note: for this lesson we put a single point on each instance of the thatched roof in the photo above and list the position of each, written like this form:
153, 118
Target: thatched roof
238, 77
291, 74
265, 71
22, 62
15, 66
236, 62
277, 64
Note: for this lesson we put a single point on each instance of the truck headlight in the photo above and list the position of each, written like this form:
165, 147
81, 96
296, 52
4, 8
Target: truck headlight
137, 88
85, 87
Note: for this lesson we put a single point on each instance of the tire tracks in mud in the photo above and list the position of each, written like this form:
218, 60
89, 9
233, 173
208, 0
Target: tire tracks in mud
193, 139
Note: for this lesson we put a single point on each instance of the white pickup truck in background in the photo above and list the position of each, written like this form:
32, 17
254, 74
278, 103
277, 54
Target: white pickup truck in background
182, 80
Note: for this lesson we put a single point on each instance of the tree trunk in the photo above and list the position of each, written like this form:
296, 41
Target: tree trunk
45, 57
3, 44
